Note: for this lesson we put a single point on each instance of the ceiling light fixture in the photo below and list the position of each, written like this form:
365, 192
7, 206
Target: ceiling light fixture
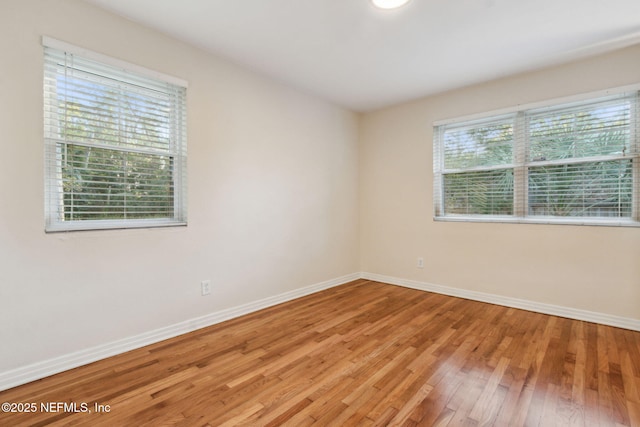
389, 4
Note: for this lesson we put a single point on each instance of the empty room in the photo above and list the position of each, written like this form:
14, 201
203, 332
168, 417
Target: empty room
320, 212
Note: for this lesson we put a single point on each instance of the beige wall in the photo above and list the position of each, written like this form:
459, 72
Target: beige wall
272, 196
587, 268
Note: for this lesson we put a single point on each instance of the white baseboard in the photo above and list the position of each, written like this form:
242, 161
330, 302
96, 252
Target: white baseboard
555, 310
49, 367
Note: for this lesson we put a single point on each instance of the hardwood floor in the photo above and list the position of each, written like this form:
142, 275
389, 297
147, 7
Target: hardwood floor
365, 354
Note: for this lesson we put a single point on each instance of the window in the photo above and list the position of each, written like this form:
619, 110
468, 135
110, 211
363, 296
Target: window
115, 144
570, 163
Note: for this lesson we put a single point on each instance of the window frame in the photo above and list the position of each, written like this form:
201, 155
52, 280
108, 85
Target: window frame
522, 163
176, 151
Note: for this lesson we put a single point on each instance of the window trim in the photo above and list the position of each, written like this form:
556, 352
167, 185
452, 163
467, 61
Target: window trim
52, 170
521, 164
114, 62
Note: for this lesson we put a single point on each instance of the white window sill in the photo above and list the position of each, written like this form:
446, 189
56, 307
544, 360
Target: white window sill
539, 220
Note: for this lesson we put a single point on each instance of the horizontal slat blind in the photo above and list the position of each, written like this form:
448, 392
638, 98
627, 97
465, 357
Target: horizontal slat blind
477, 171
578, 160
479, 193
585, 130
600, 189
484, 143
115, 146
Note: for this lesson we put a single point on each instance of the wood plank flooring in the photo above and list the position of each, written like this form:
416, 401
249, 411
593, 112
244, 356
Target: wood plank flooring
361, 354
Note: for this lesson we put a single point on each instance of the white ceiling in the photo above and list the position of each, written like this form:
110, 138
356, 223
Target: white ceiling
350, 53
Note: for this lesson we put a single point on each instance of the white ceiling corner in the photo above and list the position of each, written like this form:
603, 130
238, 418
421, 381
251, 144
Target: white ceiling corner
363, 58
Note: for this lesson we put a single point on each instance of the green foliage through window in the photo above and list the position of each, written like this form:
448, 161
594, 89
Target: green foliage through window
116, 145
484, 193
565, 161
110, 184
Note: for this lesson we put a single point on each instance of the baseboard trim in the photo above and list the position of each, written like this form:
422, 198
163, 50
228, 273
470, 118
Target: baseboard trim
39, 370
555, 310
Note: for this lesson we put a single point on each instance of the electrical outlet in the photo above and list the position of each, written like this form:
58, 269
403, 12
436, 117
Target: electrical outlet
205, 287
420, 263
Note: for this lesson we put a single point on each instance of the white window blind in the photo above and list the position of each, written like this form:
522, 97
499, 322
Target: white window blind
115, 143
569, 163
478, 160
